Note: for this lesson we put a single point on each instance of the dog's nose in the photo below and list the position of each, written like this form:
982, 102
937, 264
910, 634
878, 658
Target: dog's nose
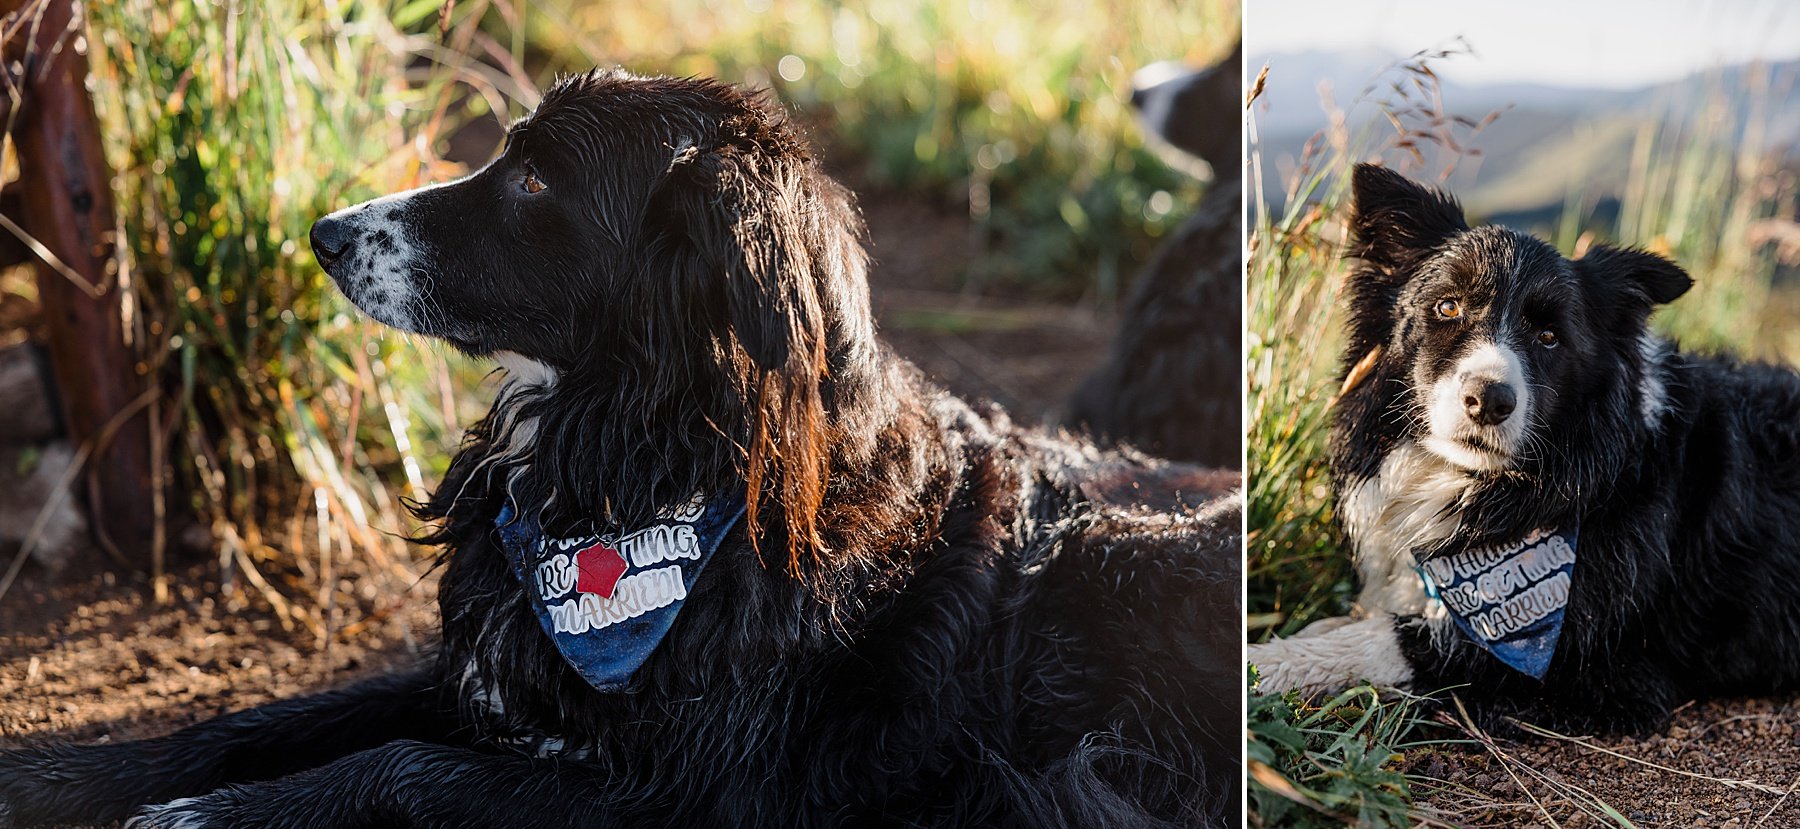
331, 240
1488, 402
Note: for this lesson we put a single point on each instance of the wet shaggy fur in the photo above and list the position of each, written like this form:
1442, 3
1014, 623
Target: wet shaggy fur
935, 617
1681, 470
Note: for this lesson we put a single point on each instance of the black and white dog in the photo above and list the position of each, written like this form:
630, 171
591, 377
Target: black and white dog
1549, 504
1171, 382
717, 557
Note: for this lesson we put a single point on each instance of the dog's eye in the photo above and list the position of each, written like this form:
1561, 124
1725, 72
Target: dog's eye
1547, 338
1449, 309
531, 183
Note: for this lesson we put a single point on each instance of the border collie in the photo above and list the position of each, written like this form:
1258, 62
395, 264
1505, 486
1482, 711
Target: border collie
717, 557
1550, 505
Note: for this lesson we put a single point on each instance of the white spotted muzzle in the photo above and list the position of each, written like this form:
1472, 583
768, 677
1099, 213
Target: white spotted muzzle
375, 260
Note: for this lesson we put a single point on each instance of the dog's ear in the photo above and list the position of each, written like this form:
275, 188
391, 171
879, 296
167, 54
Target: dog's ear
1645, 277
744, 210
1396, 224
743, 219
1396, 221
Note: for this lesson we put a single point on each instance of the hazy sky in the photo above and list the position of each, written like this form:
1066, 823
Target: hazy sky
1563, 42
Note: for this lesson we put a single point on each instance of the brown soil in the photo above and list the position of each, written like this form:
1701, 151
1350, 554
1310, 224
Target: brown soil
87, 656
1725, 763
1023, 354
90, 657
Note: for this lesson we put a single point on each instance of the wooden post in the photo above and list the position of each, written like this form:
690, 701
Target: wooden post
65, 204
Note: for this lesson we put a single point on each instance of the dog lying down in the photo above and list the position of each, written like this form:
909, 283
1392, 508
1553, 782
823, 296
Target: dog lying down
717, 557
1551, 506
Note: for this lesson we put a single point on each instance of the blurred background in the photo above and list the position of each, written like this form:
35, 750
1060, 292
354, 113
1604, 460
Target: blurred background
1670, 125
1011, 196
1574, 83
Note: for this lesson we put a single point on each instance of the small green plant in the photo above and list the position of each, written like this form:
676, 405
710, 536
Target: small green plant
1331, 764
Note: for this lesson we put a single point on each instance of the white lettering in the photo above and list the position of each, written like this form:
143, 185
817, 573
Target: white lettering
634, 596
658, 543
1523, 610
556, 575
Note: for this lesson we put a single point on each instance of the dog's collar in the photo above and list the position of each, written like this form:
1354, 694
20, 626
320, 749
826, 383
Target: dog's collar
1509, 600
608, 600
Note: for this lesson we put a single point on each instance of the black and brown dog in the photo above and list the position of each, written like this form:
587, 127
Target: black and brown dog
717, 557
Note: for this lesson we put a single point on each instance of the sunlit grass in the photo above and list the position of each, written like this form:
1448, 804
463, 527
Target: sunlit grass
296, 426
1016, 110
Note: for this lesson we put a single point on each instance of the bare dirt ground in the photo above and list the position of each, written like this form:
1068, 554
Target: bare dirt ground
1026, 356
1722, 763
85, 655
90, 657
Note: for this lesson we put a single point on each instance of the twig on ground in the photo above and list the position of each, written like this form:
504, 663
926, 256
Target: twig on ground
1777, 807
1575, 796
1723, 781
1739, 718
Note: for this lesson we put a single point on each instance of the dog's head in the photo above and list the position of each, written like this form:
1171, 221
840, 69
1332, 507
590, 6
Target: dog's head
665, 246
620, 200
1496, 337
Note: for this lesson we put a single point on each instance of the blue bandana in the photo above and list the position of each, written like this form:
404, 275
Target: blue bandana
608, 600
1509, 600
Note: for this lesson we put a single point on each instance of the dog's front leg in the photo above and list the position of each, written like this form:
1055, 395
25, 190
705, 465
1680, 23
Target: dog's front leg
1334, 657
402, 784
98, 784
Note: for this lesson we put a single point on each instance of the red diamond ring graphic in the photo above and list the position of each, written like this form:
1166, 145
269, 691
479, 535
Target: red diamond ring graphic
599, 569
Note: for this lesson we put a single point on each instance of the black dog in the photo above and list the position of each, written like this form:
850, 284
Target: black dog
1171, 382
845, 596
1515, 452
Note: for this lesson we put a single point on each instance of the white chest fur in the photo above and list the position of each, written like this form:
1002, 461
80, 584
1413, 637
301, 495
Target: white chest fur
1408, 504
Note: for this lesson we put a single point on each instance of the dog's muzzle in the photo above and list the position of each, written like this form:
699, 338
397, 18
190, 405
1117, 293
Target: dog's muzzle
1476, 412
372, 255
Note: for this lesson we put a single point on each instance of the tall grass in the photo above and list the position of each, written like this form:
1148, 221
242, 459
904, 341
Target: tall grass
1697, 190
232, 127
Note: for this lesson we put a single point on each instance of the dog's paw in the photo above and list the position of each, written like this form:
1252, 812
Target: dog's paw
1322, 626
1275, 671
186, 813
1332, 659
271, 804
